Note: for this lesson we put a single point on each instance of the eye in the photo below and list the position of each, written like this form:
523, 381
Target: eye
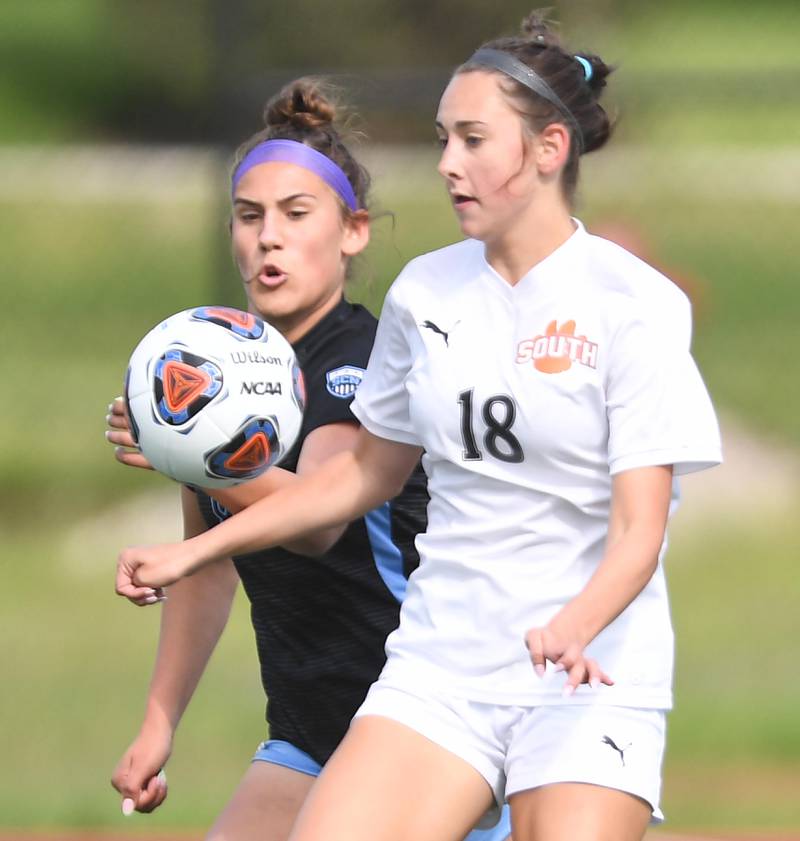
296, 213
247, 216
441, 142
473, 140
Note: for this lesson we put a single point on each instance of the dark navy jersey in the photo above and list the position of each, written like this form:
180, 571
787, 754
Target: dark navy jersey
320, 623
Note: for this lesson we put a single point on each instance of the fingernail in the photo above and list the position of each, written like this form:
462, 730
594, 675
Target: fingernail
539, 669
161, 598
127, 806
560, 667
162, 777
151, 599
107, 434
594, 683
567, 690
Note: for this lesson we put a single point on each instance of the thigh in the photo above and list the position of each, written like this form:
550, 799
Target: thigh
566, 811
264, 806
386, 782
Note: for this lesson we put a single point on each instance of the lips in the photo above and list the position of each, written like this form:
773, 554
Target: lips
271, 276
460, 200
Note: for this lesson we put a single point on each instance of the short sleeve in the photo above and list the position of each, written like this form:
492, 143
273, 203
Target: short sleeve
658, 408
333, 378
381, 402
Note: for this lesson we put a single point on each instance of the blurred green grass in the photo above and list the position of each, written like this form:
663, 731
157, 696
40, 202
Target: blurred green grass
80, 660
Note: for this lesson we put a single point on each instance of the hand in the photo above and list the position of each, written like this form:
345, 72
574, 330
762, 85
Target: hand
126, 450
565, 650
139, 776
144, 571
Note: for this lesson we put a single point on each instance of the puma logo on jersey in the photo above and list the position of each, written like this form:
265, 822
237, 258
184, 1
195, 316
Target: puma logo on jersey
607, 740
556, 349
436, 329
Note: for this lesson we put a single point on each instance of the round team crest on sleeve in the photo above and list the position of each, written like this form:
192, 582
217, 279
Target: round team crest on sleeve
343, 382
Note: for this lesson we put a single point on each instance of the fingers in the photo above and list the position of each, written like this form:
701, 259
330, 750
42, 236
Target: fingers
582, 670
154, 794
145, 798
542, 646
534, 640
119, 434
125, 586
131, 459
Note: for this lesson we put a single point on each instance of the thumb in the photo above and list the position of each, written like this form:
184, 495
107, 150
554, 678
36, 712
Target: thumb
133, 782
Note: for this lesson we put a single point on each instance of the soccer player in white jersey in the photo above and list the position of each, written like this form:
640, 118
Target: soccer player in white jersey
545, 375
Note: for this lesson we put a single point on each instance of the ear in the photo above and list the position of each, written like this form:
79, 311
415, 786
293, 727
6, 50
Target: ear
356, 233
552, 148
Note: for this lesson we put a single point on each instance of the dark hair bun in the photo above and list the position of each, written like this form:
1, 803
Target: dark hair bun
302, 104
600, 71
535, 27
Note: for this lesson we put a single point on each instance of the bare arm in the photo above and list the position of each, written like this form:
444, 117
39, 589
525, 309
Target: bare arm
320, 445
639, 509
191, 623
343, 488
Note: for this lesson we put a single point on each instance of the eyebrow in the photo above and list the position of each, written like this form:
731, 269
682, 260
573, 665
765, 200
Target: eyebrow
462, 124
285, 200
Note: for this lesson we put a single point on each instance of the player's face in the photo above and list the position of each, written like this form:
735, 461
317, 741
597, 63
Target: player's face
484, 155
291, 244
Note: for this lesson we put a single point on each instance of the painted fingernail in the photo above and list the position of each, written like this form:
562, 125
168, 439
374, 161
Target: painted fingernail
594, 683
567, 690
162, 777
127, 806
560, 667
539, 669
107, 433
151, 599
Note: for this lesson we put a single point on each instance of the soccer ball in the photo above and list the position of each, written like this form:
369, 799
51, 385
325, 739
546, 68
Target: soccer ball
214, 396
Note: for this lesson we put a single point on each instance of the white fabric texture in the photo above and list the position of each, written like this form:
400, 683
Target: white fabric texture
526, 400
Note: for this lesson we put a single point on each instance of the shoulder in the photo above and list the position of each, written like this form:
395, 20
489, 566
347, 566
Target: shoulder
632, 282
437, 270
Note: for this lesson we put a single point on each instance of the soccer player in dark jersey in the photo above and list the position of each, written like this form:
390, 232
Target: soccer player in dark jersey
322, 605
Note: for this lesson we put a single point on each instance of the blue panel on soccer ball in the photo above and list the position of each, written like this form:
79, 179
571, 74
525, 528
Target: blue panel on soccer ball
252, 449
243, 324
183, 384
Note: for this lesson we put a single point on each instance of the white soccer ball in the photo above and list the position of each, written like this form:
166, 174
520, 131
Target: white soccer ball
214, 396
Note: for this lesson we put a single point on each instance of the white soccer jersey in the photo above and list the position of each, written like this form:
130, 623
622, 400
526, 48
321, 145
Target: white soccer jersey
527, 399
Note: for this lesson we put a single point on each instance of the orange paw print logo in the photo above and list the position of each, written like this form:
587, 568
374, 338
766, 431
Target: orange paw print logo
559, 361
555, 351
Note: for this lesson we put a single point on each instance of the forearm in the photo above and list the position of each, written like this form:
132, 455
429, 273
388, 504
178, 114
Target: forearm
627, 567
238, 498
332, 495
192, 621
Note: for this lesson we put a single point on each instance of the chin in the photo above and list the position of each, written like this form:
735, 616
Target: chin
470, 228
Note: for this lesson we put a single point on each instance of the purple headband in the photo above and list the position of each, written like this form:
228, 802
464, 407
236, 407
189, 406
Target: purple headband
294, 152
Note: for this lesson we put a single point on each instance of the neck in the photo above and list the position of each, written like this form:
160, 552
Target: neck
293, 327
533, 236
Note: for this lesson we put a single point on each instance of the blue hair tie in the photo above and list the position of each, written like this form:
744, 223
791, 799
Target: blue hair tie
588, 70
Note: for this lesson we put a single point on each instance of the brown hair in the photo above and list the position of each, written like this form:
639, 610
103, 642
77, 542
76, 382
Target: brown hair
540, 48
305, 111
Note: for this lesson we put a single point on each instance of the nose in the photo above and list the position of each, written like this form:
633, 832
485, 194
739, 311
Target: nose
270, 235
448, 163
